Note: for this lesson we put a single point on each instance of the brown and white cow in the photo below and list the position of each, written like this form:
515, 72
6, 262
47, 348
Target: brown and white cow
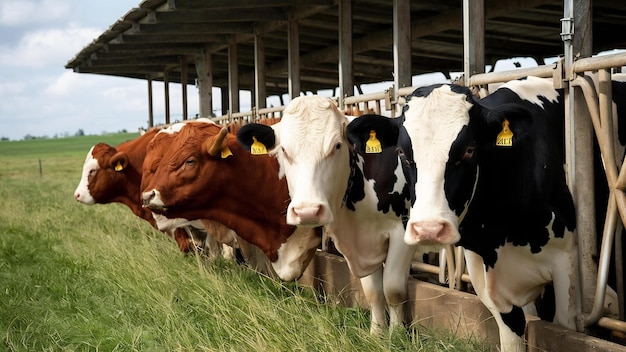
113, 174
359, 198
197, 170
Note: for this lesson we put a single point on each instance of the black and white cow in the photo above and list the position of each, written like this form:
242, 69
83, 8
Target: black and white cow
359, 198
489, 174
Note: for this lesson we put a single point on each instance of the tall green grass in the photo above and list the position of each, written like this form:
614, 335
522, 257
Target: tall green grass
97, 278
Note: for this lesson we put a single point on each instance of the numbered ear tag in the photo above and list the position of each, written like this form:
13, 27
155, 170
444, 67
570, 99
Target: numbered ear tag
372, 146
505, 137
225, 152
118, 166
257, 147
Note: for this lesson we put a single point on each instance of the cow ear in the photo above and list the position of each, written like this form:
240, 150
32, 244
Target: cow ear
119, 161
257, 138
369, 132
503, 126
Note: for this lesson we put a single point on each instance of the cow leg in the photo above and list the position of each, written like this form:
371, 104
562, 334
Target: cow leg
509, 340
564, 277
395, 278
373, 290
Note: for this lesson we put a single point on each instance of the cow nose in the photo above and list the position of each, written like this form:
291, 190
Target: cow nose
77, 196
147, 197
308, 214
430, 232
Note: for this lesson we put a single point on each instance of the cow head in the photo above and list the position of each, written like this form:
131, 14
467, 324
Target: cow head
196, 170
311, 145
103, 177
439, 137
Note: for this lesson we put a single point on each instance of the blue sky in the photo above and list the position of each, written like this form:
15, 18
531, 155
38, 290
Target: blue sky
39, 97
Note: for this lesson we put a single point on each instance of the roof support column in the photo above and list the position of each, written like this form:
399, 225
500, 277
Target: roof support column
233, 77
293, 58
166, 89
260, 93
150, 104
473, 37
401, 44
346, 68
183, 83
204, 69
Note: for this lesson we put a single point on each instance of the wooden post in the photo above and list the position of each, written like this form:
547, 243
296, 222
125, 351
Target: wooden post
150, 104
401, 44
473, 37
233, 77
205, 83
166, 89
346, 67
183, 84
260, 93
294, 59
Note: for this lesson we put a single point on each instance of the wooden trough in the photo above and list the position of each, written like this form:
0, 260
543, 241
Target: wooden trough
442, 308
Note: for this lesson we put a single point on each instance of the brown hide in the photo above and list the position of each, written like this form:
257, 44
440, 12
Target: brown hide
108, 185
242, 191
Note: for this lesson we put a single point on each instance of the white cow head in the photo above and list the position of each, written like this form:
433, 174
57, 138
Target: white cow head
311, 145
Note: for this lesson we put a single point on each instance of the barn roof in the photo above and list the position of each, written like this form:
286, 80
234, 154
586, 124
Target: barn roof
155, 36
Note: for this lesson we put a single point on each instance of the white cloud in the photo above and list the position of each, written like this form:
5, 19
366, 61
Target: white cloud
15, 13
47, 47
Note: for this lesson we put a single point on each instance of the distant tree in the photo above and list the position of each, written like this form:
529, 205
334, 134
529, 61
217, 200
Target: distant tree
4, 138
79, 133
29, 137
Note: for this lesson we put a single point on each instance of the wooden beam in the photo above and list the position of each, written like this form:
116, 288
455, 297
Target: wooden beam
166, 90
191, 28
221, 15
183, 84
221, 4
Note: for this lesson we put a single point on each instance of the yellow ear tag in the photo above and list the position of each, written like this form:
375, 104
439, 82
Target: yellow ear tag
257, 147
225, 152
505, 137
372, 146
119, 166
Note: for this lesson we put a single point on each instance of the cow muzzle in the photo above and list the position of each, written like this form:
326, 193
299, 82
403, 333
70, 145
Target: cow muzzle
304, 214
431, 232
152, 200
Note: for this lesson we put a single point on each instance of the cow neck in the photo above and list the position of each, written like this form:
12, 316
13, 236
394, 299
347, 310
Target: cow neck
136, 152
257, 205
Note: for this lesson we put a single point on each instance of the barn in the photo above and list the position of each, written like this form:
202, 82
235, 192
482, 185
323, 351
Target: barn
283, 49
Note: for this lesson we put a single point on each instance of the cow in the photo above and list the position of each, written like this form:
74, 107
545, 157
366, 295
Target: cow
488, 175
359, 198
113, 174
197, 170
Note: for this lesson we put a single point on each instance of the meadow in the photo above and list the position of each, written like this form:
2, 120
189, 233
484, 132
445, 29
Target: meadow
96, 278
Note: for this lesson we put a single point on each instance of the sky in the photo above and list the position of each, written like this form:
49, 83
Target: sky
39, 97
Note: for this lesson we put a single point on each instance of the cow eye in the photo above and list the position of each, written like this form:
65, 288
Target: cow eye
469, 152
190, 162
338, 146
92, 172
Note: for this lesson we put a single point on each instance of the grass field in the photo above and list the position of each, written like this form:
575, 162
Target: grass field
96, 278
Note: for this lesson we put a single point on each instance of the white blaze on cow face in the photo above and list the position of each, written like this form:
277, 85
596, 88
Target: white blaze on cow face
314, 154
90, 168
433, 123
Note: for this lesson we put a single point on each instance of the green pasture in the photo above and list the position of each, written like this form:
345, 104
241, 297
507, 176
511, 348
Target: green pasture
96, 278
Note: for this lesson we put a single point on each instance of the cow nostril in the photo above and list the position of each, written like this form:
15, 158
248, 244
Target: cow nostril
76, 196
